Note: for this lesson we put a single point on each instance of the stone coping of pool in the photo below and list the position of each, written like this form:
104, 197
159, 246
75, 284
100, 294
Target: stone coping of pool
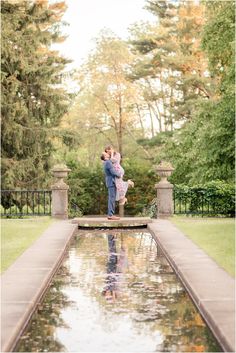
25, 281
103, 222
211, 288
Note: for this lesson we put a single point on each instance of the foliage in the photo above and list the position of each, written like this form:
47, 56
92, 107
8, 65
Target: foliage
193, 103
87, 189
150, 210
105, 98
203, 149
33, 100
213, 198
171, 64
89, 193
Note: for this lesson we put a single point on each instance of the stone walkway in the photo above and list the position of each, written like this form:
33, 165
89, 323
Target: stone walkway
25, 281
210, 287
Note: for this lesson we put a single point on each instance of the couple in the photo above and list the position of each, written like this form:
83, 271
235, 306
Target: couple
115, 184
116, 266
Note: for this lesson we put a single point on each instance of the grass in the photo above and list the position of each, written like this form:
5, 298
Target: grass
17, 235
214, 235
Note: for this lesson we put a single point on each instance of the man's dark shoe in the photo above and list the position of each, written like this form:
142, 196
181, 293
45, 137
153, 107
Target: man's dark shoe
113, 218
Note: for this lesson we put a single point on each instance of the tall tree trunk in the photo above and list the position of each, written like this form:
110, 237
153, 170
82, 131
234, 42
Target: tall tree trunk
172, 106
152, 126
120, 131
140, 119
156, 114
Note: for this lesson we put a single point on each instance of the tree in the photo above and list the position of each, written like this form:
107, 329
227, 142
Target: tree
171, 65
107, 101
33, 100
204, 149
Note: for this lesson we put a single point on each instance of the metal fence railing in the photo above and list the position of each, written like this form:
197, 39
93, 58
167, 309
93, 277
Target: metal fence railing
200, 201
194, 201
25, 202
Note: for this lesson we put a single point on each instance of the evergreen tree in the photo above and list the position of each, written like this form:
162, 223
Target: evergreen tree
33, 100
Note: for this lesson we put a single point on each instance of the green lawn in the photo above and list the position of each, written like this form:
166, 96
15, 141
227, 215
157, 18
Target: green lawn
214, 235
17, 235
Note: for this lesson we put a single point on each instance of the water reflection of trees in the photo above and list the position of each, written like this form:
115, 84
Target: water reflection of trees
185, 329
151, 294
40, 333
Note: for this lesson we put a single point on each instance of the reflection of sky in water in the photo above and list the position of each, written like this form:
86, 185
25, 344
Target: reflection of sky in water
109, 332
117, 293
107, 335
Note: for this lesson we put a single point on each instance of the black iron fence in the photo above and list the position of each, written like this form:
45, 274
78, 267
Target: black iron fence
25, 203
203, 201
187, 200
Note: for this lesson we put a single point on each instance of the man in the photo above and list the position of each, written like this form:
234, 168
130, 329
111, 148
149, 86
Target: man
110, 290
110, 174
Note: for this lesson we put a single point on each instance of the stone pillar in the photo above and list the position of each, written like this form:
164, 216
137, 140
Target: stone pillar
60, 192
164, 191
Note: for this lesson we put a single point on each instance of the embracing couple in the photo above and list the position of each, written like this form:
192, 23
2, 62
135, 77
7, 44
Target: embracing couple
115, 184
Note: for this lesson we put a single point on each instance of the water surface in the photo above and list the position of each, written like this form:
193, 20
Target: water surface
116, 292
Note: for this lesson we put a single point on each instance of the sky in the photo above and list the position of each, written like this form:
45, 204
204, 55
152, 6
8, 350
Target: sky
86, 18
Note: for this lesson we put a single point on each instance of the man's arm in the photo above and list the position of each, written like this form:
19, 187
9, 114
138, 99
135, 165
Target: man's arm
112, 170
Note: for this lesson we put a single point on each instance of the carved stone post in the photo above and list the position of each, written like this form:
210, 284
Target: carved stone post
164, 191
60, 192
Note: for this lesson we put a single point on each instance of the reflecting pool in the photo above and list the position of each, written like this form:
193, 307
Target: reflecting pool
116, 292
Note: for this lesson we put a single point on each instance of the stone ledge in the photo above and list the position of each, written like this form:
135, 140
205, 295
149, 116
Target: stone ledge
24, 283
211, 288
103, 222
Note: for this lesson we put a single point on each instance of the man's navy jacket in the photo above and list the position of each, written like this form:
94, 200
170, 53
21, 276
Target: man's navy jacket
110, 173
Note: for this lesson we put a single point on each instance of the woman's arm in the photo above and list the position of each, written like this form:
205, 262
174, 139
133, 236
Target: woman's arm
115, 157
112, 170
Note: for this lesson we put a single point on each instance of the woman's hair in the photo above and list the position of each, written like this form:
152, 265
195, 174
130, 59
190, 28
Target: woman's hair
108, 148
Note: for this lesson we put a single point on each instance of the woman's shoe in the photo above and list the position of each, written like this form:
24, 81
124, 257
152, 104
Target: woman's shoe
131, 183
124, 201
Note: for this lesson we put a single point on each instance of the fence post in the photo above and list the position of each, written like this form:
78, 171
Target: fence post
164, 191
60, 192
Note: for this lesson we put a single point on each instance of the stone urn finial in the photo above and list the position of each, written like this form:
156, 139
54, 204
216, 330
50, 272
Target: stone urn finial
60, 171
164, 170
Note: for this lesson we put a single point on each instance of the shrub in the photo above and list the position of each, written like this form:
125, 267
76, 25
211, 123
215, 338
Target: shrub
89, 193
213, 198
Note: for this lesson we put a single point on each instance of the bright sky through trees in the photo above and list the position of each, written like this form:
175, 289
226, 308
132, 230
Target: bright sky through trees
87, 17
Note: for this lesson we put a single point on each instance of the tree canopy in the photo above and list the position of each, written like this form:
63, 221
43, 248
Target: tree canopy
33, 100
166, 93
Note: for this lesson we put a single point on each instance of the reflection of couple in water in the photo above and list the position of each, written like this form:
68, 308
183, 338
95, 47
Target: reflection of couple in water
116, 265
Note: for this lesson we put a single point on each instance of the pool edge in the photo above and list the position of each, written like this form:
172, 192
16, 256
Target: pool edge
182, 254
59, 234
